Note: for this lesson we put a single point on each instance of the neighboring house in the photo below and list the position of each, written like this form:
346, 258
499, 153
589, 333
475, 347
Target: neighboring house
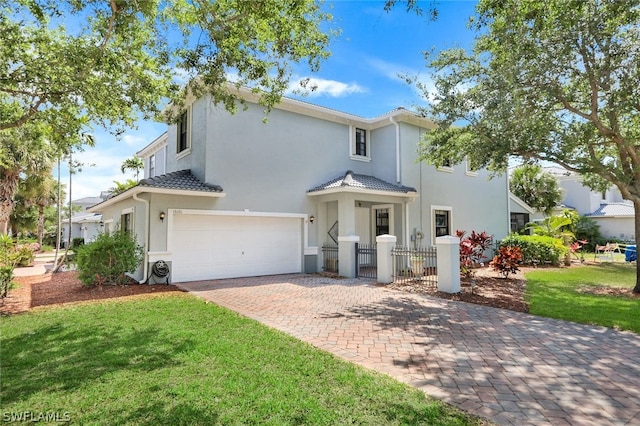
521, 214
85, 224
242, 197
614, 214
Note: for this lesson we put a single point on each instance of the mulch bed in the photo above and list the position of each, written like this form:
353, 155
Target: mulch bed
488, 289
65, 287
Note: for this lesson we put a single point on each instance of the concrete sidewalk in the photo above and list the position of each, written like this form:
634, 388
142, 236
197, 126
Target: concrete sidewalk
511, 368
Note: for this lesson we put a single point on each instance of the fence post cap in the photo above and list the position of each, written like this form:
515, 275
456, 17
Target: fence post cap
448, 239
386, 238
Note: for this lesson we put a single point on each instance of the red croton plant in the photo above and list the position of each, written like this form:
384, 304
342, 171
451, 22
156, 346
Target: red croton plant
507, 260
472, 250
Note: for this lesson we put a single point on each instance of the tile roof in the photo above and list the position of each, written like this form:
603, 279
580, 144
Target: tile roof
614, 209
352, 180
182, 179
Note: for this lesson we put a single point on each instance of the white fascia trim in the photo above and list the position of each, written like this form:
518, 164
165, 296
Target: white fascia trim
312, 110
363, 191
155, 146
141, 190
521, 203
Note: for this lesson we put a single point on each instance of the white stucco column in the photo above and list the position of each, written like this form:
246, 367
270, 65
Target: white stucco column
384, 245
347, 255
448, 264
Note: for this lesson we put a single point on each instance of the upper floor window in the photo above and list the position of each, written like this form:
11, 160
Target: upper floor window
361, 142
152, 165
447, 166
183, 132
472, 168
360, 146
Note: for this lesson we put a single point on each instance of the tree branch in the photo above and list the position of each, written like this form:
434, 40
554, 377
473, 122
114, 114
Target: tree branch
33, 110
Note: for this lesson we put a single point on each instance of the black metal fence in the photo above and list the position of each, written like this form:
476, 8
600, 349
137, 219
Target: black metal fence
330, 256
366, 261
415, 265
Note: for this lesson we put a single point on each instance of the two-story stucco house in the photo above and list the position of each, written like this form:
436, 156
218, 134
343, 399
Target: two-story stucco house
229, 195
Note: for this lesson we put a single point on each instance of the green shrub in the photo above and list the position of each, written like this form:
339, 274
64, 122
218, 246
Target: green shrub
107, 259
537, 249
77, 241
24, 254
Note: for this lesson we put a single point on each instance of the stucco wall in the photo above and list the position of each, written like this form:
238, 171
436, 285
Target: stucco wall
477, 202
619, 228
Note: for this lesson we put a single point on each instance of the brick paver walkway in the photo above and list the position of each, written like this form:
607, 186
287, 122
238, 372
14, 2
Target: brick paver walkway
509, 367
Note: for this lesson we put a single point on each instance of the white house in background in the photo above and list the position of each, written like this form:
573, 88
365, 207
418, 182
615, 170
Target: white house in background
85, 224
242, 197
614, 214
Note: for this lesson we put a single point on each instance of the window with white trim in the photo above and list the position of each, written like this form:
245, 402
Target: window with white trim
152, 165
472, 169
360, 145
441, 219
383, 219
126, 220
183, 140
447, 166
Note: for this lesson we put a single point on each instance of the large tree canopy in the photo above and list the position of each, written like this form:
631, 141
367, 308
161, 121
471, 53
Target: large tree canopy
556, 80
69, 64
108, 61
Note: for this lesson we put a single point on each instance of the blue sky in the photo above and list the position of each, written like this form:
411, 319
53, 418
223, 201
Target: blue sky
360, 77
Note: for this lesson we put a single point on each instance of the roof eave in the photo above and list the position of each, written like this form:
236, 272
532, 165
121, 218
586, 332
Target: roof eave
410, 194
151, 190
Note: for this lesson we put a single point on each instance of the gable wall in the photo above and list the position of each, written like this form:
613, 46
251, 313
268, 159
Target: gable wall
271, 166
477, 202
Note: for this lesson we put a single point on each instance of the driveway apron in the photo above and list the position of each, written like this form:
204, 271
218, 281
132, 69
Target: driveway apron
509, 367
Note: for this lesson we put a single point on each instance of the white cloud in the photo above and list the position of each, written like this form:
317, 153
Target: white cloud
133, 140
314, 87
391, 70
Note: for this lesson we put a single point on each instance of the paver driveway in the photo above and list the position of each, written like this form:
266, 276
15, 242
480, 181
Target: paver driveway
509, 367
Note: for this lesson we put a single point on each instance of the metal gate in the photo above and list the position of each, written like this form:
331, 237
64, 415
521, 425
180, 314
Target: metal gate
366, 261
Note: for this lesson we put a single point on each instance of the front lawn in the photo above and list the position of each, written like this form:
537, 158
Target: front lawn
178, 360
580, 294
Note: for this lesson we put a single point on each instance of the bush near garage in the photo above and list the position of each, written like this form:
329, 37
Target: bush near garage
108, 259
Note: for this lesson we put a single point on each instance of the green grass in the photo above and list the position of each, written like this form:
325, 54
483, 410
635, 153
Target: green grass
177, 360
556, 293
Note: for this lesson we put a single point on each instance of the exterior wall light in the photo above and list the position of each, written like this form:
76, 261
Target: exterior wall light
162, 216
311, 219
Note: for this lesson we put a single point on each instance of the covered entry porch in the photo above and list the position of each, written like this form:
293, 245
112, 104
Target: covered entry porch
355, 209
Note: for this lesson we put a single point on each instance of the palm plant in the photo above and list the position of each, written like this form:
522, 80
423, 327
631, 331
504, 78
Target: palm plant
134, 163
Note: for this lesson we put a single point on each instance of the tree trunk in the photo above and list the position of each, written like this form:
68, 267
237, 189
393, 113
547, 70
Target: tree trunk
40, 224
8, 187
636, 208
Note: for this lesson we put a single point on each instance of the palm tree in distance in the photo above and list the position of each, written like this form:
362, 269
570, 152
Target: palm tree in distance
134, 163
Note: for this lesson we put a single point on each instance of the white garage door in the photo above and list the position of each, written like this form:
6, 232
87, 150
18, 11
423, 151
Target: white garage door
211, 246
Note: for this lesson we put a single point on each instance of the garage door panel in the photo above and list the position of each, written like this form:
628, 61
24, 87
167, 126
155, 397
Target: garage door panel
216, 246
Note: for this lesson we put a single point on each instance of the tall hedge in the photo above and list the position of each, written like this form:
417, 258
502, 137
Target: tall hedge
537, 249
